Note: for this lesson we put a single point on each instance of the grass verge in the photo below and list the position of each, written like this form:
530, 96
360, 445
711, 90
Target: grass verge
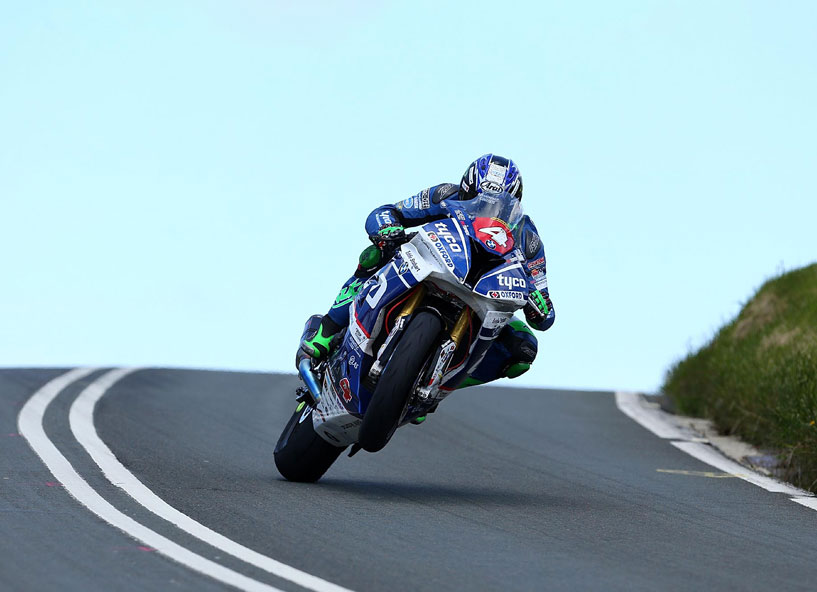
757, 378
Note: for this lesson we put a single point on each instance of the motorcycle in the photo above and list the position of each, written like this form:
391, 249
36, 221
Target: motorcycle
417, 328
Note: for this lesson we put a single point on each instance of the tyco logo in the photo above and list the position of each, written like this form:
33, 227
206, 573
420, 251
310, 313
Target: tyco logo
511, 282
445, 234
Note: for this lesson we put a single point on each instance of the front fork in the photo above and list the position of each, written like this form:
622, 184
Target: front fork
385, 351
444, 354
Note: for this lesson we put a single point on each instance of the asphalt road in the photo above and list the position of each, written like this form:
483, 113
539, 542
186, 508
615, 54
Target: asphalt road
501, 489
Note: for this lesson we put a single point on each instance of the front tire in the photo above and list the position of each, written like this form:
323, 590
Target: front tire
391, 395
301, 454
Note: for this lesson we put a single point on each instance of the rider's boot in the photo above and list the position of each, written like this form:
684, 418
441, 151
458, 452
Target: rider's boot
319, 345
316, 341
311, 326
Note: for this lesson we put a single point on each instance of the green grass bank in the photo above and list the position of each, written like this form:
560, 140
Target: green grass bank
757, 378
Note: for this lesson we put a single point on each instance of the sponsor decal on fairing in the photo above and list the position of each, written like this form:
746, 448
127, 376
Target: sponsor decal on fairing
440, 248
445, 234
444, 254
506, 295
494, 319
495, 234
511, 282
418, 266
346, 390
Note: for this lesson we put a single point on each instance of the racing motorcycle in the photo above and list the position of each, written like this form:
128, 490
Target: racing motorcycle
417, 328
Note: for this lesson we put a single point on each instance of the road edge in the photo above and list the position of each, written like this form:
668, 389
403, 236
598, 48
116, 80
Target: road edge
670, 427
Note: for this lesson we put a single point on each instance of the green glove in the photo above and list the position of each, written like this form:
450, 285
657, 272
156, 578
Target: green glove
537, 306
389, 235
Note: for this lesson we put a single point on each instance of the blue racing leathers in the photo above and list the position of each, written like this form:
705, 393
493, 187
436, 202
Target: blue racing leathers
515, 344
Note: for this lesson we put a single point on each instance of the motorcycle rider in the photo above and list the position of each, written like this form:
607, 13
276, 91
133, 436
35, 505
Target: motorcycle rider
514, 350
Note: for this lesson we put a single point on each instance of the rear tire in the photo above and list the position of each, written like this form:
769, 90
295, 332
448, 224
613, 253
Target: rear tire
301, 454
391, 396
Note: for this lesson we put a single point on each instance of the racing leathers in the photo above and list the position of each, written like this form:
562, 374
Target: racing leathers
515, 348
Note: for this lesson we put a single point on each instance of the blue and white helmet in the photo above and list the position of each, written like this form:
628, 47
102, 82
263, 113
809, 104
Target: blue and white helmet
491, 173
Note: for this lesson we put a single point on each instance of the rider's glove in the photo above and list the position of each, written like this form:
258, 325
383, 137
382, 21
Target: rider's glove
389, 237
537, 307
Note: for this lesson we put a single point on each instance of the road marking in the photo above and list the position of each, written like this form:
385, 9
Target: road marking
30, 424
710, 456
630, 405
809, 502
709, 474
81, 419
660, 423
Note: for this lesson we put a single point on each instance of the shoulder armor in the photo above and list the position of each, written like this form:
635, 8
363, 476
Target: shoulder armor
531, 240
444, 191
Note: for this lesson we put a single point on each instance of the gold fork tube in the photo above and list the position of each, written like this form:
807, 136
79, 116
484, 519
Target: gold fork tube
459, 327
413, 301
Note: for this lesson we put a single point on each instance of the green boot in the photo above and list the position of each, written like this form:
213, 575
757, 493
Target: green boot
319, 346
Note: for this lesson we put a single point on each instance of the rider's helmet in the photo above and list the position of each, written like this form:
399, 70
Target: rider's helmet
491, 173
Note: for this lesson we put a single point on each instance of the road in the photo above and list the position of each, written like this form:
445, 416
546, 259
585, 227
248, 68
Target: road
501, 489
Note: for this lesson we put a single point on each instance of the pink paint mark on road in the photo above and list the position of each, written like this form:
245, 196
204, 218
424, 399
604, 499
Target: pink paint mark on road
148, 549
53, 484
13, 435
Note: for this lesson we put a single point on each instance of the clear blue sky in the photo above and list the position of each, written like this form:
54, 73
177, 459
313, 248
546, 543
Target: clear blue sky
182, 183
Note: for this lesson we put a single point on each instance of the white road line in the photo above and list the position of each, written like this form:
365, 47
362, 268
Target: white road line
809, 502
30, 425
660, 423
81, 418
705, 453
631, 405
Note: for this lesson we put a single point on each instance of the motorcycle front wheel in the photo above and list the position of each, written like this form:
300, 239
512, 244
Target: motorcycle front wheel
391, 395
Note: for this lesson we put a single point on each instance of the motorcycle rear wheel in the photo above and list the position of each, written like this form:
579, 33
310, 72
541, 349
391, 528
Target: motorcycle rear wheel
301, 454
391, 395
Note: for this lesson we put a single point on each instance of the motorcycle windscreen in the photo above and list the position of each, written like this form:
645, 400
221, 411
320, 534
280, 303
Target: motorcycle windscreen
493, 219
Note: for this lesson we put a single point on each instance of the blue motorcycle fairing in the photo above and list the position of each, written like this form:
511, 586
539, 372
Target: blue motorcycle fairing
348, 367
355, 356
505, 283
449, 240
391, 282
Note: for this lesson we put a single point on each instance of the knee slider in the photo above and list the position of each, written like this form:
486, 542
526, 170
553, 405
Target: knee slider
517, 369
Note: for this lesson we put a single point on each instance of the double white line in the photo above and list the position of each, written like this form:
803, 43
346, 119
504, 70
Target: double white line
30, 423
